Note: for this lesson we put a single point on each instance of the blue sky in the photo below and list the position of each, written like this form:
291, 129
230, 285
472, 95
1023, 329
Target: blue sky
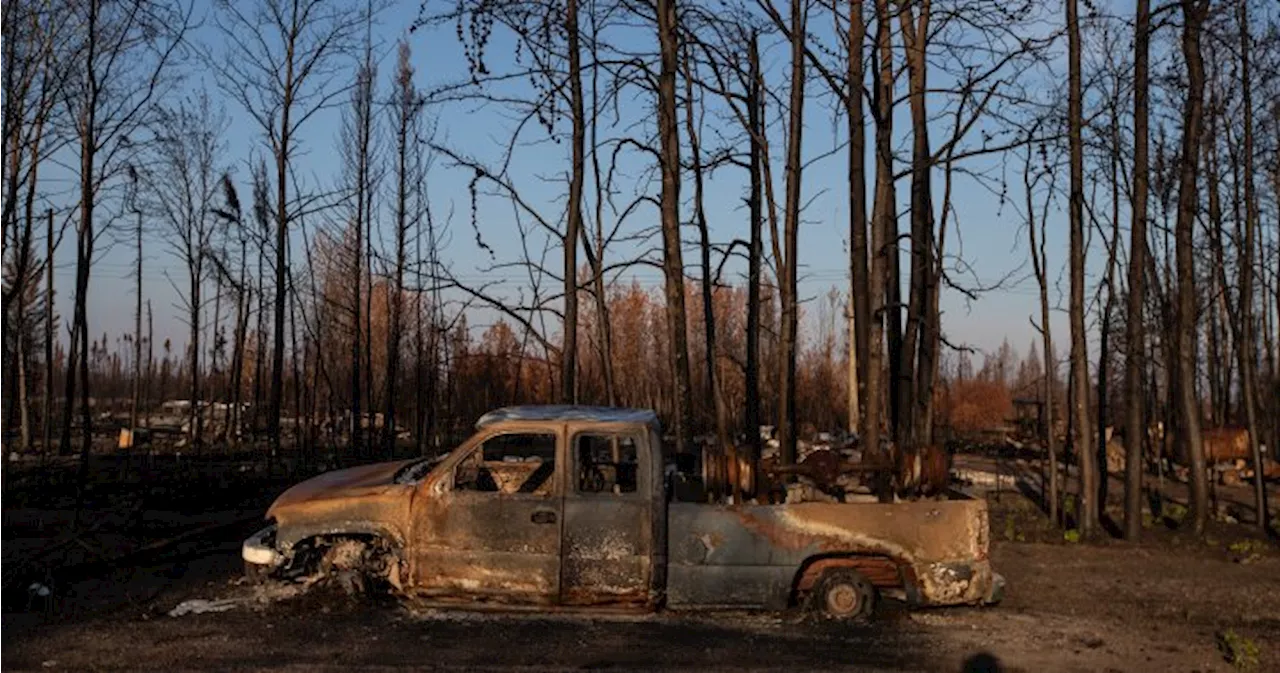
987, 236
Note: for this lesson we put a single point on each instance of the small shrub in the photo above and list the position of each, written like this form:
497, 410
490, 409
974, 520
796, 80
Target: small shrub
1071, 535
1175, 512
1148, 520
1239, 651
1247, 547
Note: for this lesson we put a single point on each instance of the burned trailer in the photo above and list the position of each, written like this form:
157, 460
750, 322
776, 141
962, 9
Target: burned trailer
570, 507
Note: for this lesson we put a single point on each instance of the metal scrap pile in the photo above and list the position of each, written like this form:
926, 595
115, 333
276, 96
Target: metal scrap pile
825, 471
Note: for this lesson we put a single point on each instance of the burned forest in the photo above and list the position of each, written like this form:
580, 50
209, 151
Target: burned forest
830, 307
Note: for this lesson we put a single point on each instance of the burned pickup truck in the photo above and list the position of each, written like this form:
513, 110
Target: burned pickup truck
571, 507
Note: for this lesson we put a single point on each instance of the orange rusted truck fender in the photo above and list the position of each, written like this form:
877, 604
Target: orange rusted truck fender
365, 501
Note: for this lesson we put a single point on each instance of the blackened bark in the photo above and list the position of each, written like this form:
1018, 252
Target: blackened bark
704, 250
672, 257
1040, 263
885, 215
1135, 430
913, 380
787, 434
755, 246
1194, 12
866, 398
1079, 353
1245, 345
569, 356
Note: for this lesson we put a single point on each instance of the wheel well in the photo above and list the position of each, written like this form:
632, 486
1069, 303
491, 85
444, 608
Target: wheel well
309, 551
883, 572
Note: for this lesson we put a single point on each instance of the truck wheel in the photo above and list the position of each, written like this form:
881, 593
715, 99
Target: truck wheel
843, 594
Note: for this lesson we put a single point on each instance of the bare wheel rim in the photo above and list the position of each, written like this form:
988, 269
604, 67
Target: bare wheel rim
842, 599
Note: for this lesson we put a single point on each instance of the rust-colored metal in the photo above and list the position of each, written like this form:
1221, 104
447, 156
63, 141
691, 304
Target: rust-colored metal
943, 543
448, 536
924, 471
881, 572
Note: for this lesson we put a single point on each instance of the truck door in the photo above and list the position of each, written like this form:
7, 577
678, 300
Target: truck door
493, 531
607, 548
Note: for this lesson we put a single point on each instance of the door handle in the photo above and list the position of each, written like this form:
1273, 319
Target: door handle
543, 516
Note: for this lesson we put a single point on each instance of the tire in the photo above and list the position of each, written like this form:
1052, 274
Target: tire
843, 594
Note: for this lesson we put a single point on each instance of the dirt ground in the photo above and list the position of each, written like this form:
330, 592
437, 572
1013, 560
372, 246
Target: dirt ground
1167, 604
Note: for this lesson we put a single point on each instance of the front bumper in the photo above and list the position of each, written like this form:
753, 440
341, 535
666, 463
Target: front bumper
259, 550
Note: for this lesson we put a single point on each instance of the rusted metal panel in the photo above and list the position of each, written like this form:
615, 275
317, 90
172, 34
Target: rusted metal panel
606, 545
607, 551
353, 481
882, 572
933, 538
608, 542
485, 545
356, 500
766, 587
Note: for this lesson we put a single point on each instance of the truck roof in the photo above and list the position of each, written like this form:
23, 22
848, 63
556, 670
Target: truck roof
568, 412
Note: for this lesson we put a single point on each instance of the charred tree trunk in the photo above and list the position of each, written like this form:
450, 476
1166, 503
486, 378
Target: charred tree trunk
914, 379
1039, 262
1245, 346
151, 345
596, 260
864, 398
755, 245
407, 105
362, 119
787, 434
672, 257
704, 248
23, 357
885, 214
237, 353
573, 226
1135, 423
1079, 353
1103, 420
84, 253
1194, 12
137, 337
46, 417
194, 418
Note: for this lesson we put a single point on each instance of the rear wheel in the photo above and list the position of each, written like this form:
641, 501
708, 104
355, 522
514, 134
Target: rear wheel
843, 594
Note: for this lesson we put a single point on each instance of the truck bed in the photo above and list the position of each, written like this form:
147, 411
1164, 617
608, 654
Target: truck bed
760, 555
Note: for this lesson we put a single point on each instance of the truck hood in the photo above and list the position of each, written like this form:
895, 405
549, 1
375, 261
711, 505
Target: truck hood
340, 484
